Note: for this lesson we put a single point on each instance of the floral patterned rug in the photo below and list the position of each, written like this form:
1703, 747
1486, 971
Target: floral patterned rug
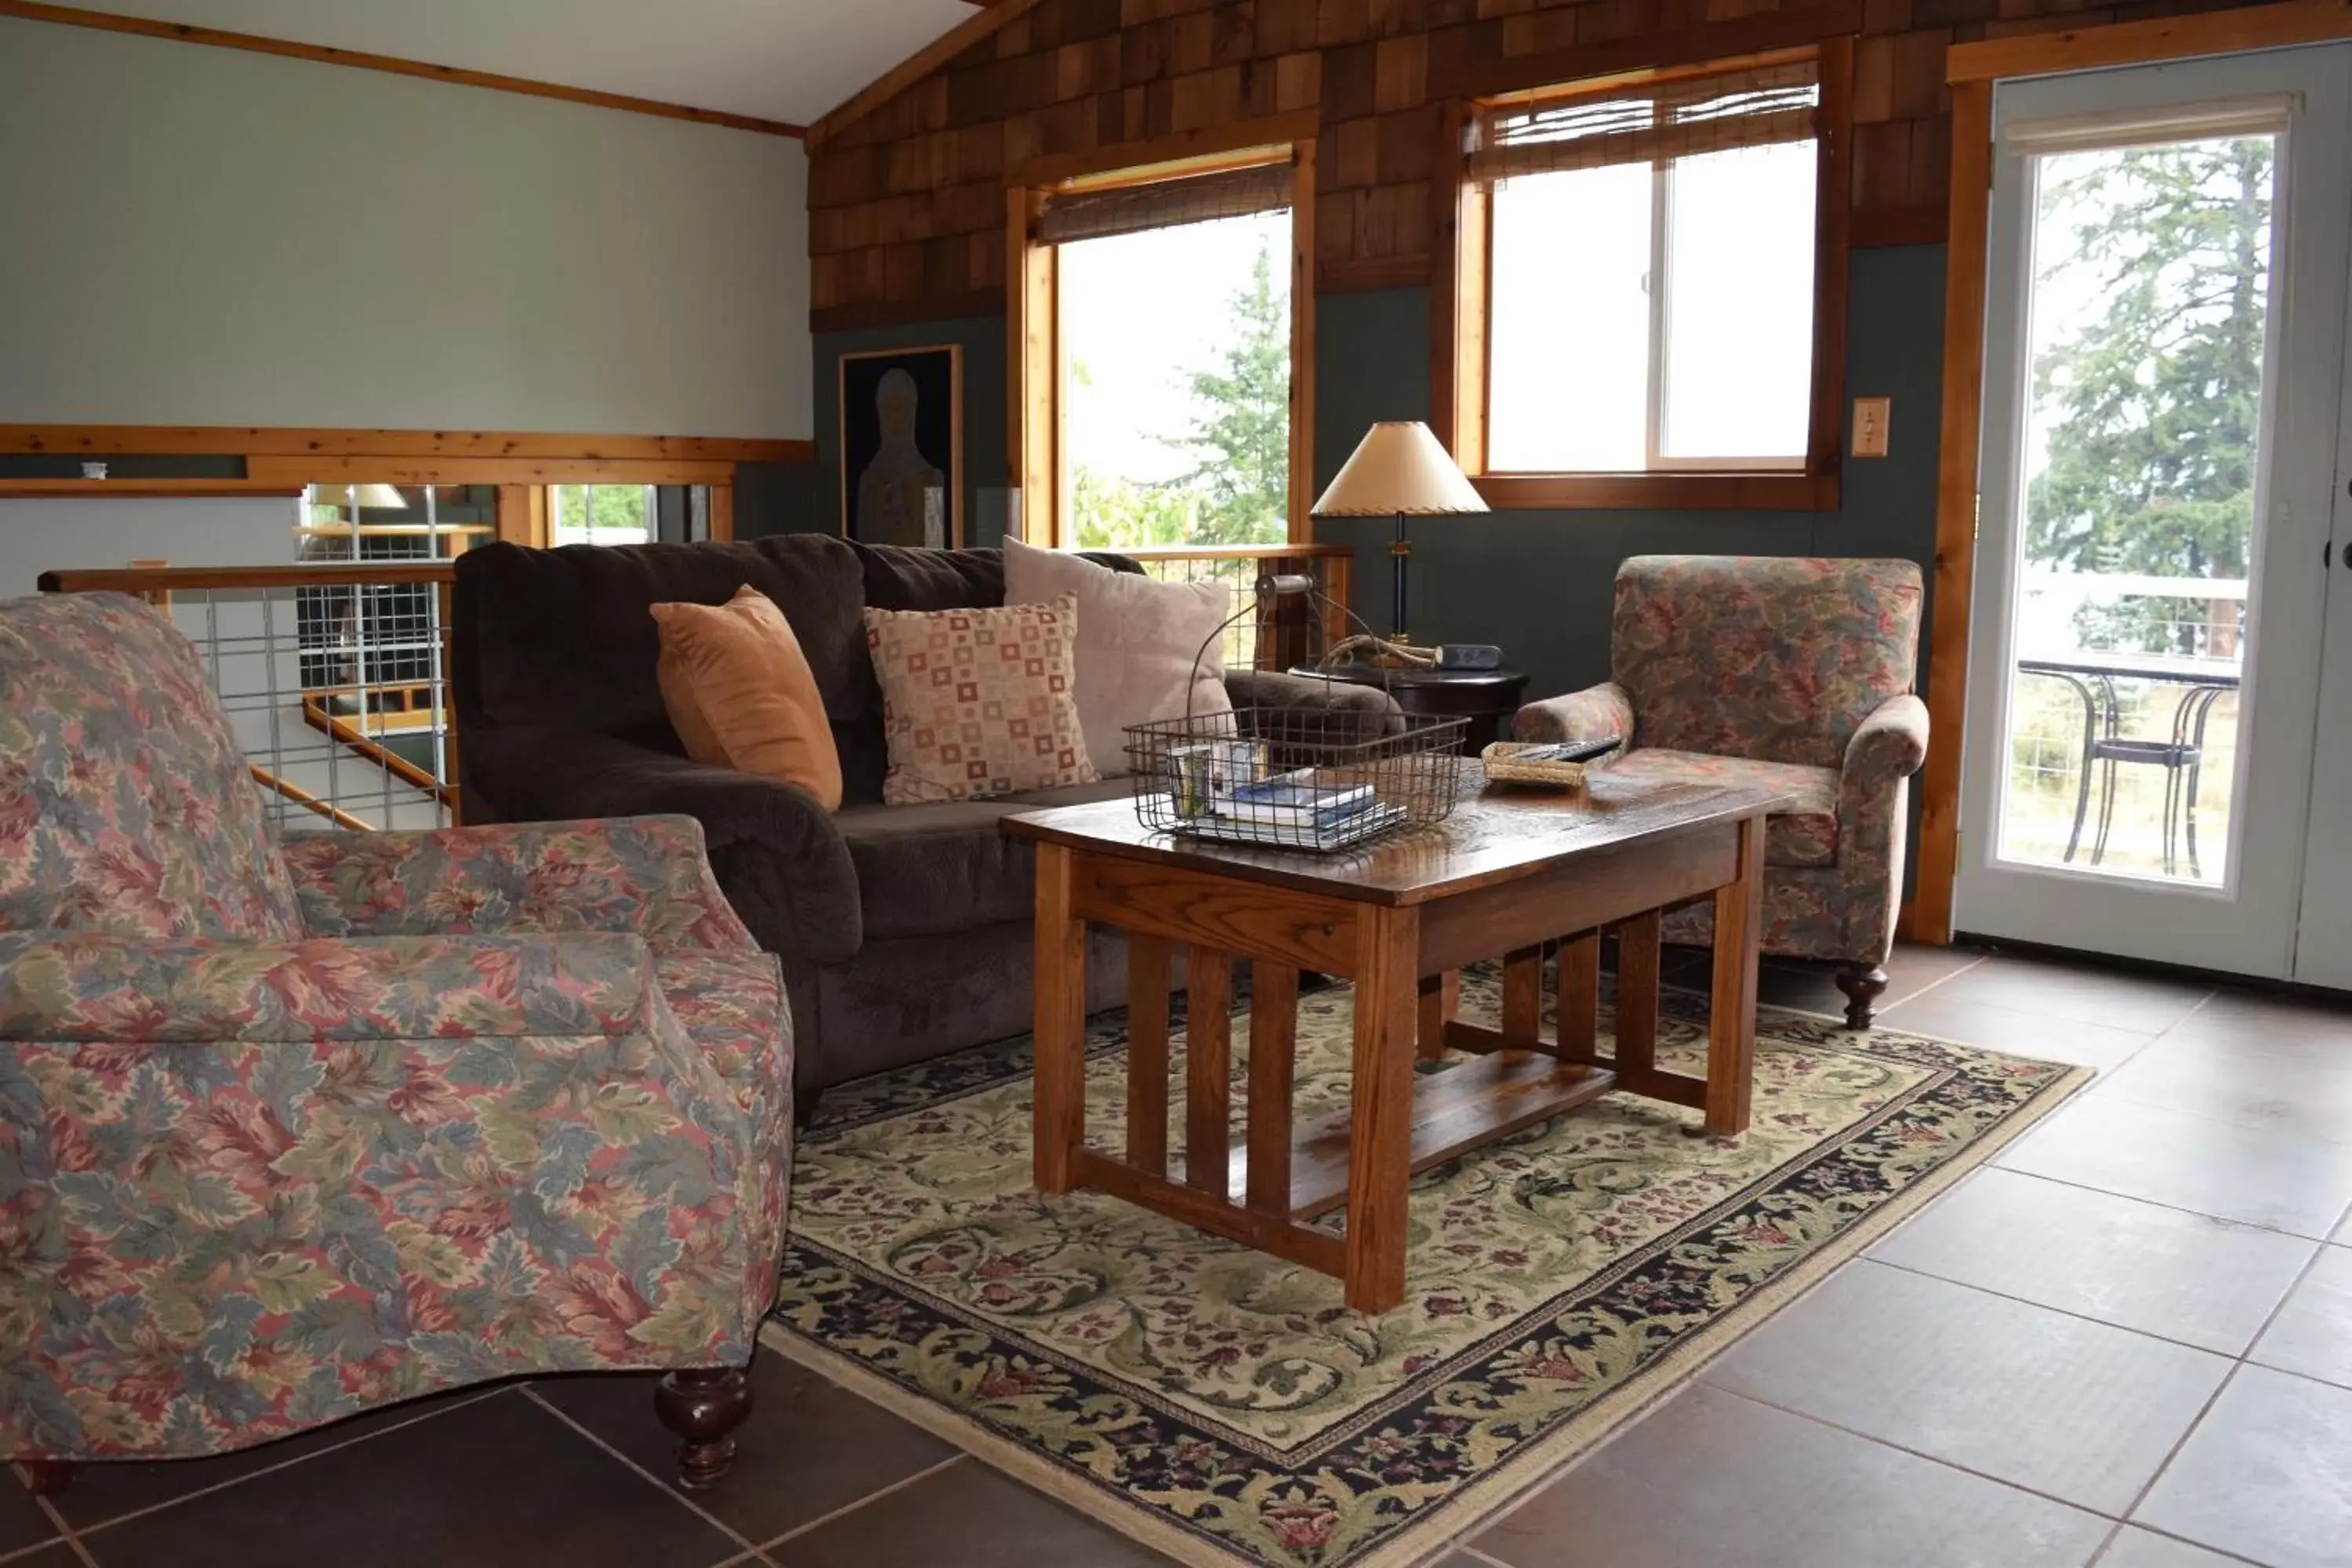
1226, 1407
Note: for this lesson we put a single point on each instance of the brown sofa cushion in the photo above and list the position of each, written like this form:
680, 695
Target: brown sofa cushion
929, 869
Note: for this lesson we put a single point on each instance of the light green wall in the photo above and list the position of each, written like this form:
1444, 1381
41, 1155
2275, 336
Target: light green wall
210, 236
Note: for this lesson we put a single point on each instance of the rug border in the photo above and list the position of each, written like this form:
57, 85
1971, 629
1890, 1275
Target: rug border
1487, 1498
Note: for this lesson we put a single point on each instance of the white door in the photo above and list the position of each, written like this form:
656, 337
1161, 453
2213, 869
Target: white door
2323, 948
2164, 359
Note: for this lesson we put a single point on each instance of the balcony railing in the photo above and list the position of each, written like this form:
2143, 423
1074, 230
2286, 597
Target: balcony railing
334, 679
1298, 631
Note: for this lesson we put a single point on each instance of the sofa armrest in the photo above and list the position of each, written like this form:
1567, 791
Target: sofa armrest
646, 875
58, 986
1346, 711
1593, 714
779, 859
1890, 744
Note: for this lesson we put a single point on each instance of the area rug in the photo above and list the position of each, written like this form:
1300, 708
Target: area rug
1224, 1407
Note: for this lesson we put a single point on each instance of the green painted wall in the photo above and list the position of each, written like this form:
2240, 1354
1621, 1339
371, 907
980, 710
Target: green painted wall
1538, 583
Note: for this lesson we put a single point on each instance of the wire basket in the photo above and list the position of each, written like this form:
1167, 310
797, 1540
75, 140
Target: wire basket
1321, 778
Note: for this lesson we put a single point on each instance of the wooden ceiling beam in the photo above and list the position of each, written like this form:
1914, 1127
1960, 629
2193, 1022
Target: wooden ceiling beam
147, 28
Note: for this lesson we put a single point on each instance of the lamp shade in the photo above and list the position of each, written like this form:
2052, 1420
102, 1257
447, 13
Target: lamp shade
375, 498
1399, 469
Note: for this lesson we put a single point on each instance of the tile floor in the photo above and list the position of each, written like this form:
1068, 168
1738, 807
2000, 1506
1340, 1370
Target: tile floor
2127, 1342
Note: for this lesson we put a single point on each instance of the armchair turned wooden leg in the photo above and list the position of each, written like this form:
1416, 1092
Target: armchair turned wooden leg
704, 1405
47, 1478
1863, 984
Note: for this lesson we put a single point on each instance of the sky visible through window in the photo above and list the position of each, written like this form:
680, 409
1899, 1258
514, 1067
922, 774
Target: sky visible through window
1176, 383
1570, 360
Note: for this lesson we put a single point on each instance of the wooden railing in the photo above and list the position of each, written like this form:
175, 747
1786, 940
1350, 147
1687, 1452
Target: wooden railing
1292, 633
321, 666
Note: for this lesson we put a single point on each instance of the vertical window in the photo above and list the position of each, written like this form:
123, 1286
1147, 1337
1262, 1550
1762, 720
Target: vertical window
1645, 286
1160, 395
602, 514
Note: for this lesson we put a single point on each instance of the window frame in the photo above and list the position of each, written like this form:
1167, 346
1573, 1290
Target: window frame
1460, 318
1037, 456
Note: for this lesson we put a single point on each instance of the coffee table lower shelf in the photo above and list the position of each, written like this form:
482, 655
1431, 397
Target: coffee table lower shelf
1265, 1183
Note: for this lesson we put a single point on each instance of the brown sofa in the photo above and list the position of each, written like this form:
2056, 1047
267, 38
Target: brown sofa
904, 931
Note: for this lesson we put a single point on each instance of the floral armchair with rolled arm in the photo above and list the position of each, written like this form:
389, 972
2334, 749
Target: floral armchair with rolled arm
1794, 674
287, 1132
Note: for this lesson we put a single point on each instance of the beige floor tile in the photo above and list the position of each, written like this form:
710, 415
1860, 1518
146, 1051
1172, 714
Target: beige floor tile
2079, 993
2266, 1475
1948, 1013
2191, 1161
2267, 1024
1711, 1479
2312, 1332
2298, 1095
2163, 1271
2136, 1548
967, 1516
2075, 1409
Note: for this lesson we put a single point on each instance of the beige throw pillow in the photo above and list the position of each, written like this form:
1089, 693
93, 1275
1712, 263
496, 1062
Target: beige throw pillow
1137, 642
977, 702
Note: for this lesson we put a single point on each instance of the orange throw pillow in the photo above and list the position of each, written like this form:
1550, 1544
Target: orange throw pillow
740, 694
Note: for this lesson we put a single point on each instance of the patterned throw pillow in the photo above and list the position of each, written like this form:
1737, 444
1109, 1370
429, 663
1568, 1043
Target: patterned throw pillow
978, 702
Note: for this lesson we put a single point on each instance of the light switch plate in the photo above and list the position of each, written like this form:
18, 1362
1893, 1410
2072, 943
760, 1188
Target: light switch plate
1870, 416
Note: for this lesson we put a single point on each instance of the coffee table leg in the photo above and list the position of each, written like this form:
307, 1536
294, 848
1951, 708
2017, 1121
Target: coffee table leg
1147, 1052
1523, 998
1379, 1137
1059, 1096
1441, 999
1731, 1023
1208, 1070
1578, 1022
1637, 994
1274, 1024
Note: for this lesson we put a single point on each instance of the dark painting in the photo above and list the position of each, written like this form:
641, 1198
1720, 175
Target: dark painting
902, 446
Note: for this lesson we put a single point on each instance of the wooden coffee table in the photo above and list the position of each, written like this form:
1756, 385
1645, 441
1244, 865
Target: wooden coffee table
1507, 872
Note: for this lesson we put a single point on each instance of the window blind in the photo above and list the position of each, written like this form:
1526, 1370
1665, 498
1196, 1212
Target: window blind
1753, 107
1162, 203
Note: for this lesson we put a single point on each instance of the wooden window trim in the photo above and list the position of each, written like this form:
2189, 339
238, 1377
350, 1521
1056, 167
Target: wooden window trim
1036, 456
1973, 71
1462, 218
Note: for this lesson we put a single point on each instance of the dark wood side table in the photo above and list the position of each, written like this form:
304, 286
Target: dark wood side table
1507, 872
1487, 698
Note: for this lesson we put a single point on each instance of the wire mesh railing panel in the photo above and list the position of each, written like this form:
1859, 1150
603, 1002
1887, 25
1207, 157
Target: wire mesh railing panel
337, 696
335, 682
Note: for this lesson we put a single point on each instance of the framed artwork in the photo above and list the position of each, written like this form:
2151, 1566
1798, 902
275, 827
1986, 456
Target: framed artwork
902, 446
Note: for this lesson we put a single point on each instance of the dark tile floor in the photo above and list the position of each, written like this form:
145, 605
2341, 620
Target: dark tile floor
2127, 1342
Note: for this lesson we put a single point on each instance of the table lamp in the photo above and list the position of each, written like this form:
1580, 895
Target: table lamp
1399, 469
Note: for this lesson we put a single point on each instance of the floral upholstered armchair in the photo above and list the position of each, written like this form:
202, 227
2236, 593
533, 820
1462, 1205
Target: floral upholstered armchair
287, 1132
1792, 674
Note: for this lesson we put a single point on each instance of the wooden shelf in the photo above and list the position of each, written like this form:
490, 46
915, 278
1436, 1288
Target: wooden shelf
1470, 1103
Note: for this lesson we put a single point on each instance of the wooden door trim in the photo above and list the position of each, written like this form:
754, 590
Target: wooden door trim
1973, 71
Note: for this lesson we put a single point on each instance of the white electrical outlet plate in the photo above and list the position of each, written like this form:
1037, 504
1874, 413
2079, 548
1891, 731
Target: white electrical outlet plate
1870, 416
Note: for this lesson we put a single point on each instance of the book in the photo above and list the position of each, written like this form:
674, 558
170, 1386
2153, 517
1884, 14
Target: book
1296, 800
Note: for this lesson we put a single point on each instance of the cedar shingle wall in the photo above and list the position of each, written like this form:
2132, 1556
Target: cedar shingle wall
906, 211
